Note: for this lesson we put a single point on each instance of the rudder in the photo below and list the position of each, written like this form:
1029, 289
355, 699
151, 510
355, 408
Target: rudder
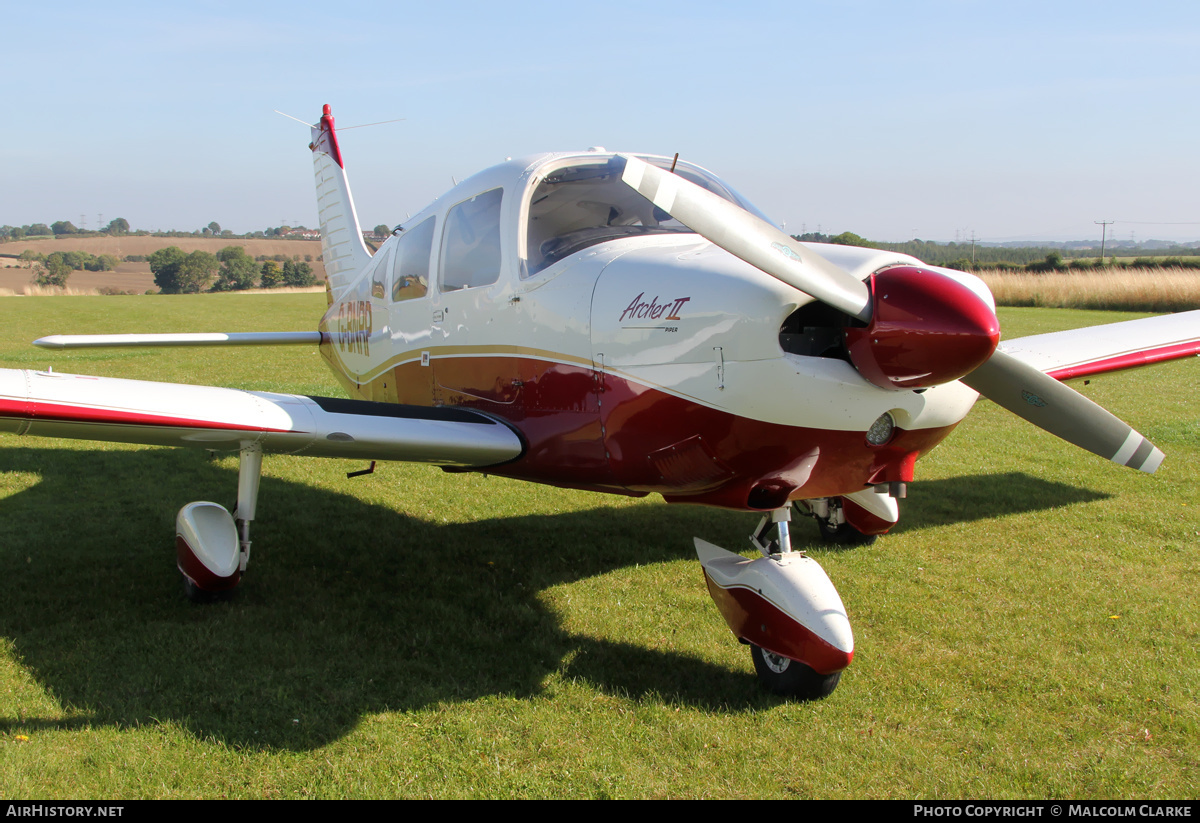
342, 248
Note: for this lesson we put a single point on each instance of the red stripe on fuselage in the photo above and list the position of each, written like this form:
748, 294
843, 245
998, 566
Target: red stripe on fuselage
602, 432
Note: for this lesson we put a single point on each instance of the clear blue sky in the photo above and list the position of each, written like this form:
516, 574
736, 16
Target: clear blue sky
1012, 119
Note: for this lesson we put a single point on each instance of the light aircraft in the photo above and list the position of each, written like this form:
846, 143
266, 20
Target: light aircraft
625, 324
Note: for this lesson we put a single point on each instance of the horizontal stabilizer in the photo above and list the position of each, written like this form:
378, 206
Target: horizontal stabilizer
119, 341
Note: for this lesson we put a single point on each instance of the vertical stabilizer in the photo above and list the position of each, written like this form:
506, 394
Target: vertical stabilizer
342, 248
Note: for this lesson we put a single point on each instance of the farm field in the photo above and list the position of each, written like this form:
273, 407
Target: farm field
1151, 290
1031, 629
137, 277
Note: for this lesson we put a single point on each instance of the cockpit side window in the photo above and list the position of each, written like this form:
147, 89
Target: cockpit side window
585, 204
410, 269
471, 243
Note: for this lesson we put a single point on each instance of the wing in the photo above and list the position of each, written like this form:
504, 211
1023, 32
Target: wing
1098, 349
53, 404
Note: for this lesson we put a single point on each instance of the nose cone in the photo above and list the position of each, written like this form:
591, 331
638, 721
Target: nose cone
926, 329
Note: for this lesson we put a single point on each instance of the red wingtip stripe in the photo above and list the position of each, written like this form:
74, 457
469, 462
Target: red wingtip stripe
1129, 360
63, 413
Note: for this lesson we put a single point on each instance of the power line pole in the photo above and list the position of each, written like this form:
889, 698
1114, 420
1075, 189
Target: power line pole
1104, 224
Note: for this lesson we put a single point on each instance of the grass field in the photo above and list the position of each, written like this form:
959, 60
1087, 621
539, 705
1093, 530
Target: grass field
1150, 290
1031, 629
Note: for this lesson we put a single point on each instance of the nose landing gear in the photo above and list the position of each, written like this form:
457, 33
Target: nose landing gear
784, 606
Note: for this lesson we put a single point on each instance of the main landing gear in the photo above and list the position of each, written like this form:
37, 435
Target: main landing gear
784, 607
830, 514
212, 546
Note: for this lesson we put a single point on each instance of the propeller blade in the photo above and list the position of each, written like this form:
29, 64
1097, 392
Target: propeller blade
754, 240
1062, 411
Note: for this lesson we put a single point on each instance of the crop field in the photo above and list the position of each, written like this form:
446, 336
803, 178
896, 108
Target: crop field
1150, 290
1031, 629
145, 245
134, 278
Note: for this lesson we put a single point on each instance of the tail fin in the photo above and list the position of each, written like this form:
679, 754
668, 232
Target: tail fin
342, 248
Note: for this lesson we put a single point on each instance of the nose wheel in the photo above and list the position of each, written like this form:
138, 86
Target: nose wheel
204, 596
784, 601
790, 678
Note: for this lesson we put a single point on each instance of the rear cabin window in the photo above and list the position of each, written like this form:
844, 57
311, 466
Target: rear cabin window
410, 269
471, 243
380, 272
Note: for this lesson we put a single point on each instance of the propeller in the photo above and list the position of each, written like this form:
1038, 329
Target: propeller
921, 328
1048, 404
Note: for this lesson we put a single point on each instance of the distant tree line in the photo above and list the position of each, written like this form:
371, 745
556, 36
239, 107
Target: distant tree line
230, 269
120, 226
115, 227
53, 269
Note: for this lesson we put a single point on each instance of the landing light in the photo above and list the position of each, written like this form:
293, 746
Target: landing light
881, 430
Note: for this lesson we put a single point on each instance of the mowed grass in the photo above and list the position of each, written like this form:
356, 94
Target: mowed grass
1029, 630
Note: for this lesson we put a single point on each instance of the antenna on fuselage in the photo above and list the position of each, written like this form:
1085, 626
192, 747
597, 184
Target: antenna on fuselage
341, 128
673, 162
297, 119
364, 125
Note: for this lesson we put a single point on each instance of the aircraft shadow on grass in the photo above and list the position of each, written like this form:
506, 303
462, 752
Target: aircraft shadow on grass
349, 608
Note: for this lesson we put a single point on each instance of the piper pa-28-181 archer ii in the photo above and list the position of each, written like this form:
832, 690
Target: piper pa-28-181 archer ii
627, 324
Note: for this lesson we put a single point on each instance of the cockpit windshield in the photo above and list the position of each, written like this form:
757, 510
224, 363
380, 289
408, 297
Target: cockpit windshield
584, 204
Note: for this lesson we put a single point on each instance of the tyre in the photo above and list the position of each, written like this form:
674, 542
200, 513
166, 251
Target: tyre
843, 534
195, 594
791, 678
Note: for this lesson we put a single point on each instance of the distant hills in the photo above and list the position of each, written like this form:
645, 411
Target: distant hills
1013, 253
1168, 247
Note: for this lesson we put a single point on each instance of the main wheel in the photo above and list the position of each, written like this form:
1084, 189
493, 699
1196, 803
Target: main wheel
203, 596
791, 678
843, 534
